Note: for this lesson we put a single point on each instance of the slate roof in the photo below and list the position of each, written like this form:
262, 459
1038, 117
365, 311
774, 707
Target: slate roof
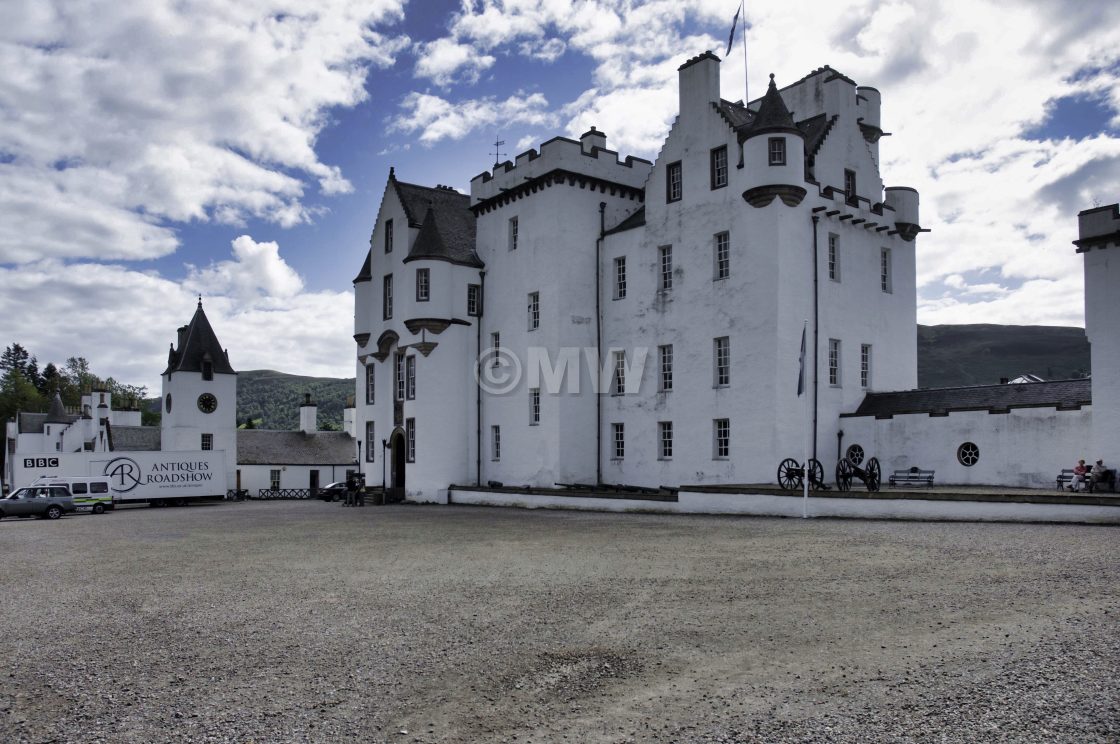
773, 116
266, 447
136, 438
447, 226
637, 218
200, 344
1054, 394
32, 423
736, 114
57, 413
366, 272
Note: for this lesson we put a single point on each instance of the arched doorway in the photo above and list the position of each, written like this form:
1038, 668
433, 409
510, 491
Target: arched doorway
395, 490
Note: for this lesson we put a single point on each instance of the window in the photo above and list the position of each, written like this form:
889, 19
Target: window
423, 285
723, 255
474, 296
410, 440
207, 441
274, 480
665, 366
513, 233
371, 442
673, 182
850, 185
885, 269
496, 345
865, 365
719, 167
388, 236
834, 257
534, 310
618, 384
78, 488
620, 277
968, 454
387, 297
721, 431
534, 406
834, 362
666, 254
410, 378
369, 385
99, 487
495, 443
665, 440
207, 371
777, 151
722, 361
398, 373
618, 438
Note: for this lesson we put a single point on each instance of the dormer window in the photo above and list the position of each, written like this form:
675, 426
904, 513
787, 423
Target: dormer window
777, 151
207, 370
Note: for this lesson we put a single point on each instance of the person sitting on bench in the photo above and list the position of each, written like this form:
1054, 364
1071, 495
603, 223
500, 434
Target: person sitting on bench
1098, 475
1077, 482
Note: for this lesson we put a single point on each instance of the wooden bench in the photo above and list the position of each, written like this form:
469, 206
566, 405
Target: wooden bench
1064, 478
1109, 481
912, 477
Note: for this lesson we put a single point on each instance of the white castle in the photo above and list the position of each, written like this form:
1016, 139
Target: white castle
691, 280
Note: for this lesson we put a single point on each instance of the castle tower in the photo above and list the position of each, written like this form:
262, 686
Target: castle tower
774, 154
200, 395
1099, 244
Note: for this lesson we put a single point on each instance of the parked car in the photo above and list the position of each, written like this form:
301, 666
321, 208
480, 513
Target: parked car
45, 502
333, 491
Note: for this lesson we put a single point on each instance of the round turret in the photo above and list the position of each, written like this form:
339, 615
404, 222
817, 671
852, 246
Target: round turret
773, 154
904, 201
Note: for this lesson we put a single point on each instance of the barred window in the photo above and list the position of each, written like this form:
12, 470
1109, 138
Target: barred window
410, 440
620, 277
534, 310
723, 255
673, 182
666, 262
721, 430
665, 366
722, 361
534, 406
423, 285
665, 439
371, 442
719, 167
834, 362
370, 388
618, 438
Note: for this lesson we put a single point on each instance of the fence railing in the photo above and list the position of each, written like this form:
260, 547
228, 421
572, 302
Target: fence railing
284, 493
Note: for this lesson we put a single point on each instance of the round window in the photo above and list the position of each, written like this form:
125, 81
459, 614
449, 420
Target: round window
968, 453
167, 402
854, 454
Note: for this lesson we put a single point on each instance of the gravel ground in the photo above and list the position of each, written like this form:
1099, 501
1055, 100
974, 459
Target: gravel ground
308, 622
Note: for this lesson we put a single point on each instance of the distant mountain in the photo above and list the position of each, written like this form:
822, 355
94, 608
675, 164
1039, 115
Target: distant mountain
272, 399
952, 355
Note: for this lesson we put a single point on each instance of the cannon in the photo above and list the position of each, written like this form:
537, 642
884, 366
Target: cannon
846, 471
791, 475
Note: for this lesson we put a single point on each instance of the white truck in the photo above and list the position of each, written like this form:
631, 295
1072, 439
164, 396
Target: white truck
156, 478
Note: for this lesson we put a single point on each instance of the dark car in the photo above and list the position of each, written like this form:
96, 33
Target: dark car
333, 491
45, 502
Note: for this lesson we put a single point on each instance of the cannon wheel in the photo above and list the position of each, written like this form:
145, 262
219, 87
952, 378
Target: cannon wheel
874, 474
844, 475
790, 474
816, 473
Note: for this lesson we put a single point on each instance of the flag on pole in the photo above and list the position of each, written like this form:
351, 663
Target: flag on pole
734, 23
801, 370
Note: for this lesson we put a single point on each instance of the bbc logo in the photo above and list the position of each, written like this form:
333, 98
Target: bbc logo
40, 462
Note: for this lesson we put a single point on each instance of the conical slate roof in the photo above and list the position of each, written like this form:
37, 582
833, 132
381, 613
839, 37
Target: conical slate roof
199, 344
57, 413
773, 116
446, 223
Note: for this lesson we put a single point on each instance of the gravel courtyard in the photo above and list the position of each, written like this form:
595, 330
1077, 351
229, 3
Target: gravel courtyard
308, 622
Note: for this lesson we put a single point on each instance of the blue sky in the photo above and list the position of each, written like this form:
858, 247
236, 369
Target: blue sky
240, 150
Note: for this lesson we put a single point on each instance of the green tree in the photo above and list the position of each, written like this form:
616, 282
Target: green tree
18, 394
49, 380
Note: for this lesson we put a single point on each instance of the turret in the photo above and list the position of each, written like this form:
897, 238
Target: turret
904, 201
773, 154
868, 105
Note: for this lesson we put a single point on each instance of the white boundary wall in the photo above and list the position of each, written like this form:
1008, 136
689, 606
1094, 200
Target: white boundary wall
770, 505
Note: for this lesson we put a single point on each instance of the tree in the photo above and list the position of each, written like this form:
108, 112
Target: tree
18, 394
15, 357
76, 377
49, 380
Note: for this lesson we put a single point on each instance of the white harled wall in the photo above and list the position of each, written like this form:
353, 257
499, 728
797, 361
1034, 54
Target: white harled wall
183, 426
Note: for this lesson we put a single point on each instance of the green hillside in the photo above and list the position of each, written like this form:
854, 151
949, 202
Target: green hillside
951, 355
272, 399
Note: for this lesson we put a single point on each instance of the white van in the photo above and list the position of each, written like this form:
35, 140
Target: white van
90, 492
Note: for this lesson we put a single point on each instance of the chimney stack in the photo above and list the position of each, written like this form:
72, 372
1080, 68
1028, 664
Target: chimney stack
308, 415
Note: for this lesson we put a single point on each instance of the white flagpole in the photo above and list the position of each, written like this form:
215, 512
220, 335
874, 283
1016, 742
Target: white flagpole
746, 80
808, 428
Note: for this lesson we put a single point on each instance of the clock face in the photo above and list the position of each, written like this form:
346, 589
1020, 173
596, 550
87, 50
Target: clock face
207, 403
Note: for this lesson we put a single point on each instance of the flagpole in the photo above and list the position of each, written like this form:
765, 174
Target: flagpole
746, 78
805, 442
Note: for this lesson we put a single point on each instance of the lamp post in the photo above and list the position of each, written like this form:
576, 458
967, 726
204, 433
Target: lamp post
384, 446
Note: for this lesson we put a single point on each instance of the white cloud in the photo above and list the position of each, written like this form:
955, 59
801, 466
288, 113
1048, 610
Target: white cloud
123, 116
445, 61
438, 118
256, 270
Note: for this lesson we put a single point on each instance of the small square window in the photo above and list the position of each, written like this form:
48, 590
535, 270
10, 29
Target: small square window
207, 441
777, 151
673, 182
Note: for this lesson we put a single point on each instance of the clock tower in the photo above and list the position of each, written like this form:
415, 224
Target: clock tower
200, 395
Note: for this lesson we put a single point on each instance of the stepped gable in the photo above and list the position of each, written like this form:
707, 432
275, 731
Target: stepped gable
56, 414
266, 447
773, 116
199, 344
1061, 394
447, 227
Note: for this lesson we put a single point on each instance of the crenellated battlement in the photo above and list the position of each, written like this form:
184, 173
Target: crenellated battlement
584, 157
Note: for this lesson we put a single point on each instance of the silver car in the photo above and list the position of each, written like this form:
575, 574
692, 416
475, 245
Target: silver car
49, 502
